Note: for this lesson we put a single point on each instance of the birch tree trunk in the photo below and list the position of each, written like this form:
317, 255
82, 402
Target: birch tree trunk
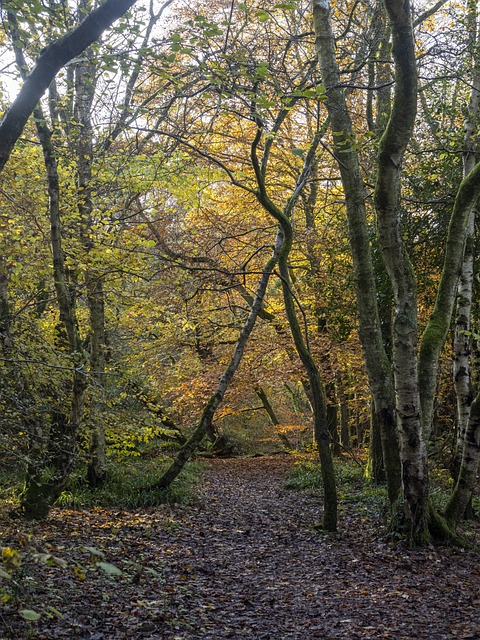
468, 435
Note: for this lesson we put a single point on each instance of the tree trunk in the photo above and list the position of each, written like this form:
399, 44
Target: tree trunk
344, 415
200, 431
375, 467
467, 475
274, 421
464, 464
49, 469
388, 206
97, 465
51, 60
332, 418
318, 397
458, 260
377, 363
85, 84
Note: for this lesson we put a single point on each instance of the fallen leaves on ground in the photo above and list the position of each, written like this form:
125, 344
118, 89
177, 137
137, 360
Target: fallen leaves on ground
244, 561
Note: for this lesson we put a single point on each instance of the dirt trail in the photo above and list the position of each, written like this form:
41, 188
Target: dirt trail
245, 562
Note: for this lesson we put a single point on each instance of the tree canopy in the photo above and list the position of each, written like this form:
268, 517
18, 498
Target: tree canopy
241, 226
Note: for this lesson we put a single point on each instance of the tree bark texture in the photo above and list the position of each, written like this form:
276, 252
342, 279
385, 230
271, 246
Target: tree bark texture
50, 61
466, 456
377, 363
467, 475
392, 148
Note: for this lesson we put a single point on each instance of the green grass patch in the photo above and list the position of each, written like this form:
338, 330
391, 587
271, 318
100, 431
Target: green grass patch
355, 493
126, 486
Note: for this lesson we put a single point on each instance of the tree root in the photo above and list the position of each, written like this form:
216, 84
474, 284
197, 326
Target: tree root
437, 532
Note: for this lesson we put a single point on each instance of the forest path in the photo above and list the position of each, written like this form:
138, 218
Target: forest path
245, 562
254, 567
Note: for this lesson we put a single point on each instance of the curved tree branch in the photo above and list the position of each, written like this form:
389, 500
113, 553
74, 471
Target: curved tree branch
50, 61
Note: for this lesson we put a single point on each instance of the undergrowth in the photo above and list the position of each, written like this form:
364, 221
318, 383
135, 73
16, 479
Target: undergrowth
126, 486
355, 493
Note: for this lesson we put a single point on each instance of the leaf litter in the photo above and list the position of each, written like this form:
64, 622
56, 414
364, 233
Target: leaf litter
243, 561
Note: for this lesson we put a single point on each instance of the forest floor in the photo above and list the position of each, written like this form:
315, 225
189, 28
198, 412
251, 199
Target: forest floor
243, 561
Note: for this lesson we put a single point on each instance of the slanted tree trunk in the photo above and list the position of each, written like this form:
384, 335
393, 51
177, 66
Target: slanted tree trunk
52, 58
274, 421
283, 219
208, 413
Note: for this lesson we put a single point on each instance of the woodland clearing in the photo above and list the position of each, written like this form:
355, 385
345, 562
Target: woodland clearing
244, 560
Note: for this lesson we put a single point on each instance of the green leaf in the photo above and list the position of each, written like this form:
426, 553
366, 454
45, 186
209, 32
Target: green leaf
30, 615
298, 152
176, 37
94, 552
262, 15
110, 569
176, 47
4, 574
262, 71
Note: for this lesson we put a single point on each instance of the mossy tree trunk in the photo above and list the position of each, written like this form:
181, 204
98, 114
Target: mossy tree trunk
377, 362
52, 452
392, 148
459, 229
